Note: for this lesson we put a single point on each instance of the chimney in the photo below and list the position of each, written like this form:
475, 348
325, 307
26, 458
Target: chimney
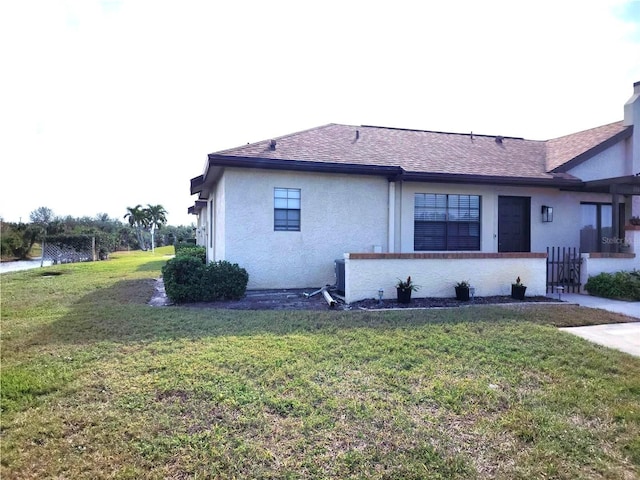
632, 108
632, 118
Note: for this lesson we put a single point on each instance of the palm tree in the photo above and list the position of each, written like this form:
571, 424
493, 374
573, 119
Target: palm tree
138, 219
156, 217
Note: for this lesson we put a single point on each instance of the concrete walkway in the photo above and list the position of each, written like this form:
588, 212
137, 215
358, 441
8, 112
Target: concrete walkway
621, 336
630, 309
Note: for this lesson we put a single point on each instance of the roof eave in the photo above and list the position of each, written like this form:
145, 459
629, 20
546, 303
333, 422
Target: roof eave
626, 185
391, 172
550, 182
303, 165
196, 184
197, 207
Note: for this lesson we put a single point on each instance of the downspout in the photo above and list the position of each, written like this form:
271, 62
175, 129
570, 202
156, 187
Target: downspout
391, 234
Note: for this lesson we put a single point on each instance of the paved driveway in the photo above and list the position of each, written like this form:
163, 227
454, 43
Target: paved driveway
6, 267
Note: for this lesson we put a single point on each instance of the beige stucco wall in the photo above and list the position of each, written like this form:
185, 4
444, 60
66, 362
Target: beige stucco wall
338, 214
219, 221
563, 231
437, 277
349, 214
613, 162
201, 228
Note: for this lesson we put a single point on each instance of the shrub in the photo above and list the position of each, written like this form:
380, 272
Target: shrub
11, 244
187, 249
183, 279
17, 239
623, 285
188, 279
225, 280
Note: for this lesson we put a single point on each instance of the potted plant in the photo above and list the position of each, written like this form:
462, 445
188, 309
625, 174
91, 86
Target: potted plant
462, 291
404, 289
518, 289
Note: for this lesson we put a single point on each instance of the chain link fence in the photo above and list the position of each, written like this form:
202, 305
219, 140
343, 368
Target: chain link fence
59, 254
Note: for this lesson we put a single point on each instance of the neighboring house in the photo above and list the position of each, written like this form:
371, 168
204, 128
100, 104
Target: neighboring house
441, 207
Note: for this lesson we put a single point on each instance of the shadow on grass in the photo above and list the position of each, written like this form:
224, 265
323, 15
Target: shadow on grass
120, 314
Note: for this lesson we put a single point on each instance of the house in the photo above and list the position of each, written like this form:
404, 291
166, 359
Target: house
442, 207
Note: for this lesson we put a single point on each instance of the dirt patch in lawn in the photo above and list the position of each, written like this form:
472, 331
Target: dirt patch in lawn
299, 299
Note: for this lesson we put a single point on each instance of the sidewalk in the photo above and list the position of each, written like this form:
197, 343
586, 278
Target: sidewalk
621, 336
631, 309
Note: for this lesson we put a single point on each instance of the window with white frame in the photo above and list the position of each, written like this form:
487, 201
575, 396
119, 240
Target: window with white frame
446, 222
286, 212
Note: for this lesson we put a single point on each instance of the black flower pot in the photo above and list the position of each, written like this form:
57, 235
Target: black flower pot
462, 294
404, 295
517, 291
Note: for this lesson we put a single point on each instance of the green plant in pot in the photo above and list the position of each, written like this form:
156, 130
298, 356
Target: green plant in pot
518, 290
462, 291
404, 289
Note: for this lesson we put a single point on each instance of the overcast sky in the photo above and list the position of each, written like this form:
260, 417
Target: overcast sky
108, 104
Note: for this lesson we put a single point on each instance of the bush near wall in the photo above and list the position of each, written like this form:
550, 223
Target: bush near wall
188, 279
183, 279
186, 243
224, 280
190, 250
621, 285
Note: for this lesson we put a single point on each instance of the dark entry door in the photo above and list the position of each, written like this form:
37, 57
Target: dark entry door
514, 224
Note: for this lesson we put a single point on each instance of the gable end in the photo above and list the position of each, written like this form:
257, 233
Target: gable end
592, 152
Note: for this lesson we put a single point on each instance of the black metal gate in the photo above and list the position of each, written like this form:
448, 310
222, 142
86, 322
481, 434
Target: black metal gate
563, 269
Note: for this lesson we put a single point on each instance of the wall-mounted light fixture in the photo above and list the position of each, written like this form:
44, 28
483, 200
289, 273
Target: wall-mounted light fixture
547, 213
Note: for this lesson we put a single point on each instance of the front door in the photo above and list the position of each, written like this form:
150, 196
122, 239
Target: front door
514, 224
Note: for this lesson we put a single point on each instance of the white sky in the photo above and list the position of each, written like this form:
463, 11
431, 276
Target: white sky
107, 104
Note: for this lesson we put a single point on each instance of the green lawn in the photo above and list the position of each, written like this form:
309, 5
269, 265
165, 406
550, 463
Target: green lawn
96, 384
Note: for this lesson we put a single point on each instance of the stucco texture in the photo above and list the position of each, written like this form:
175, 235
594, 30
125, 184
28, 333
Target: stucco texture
437, 277
338, 214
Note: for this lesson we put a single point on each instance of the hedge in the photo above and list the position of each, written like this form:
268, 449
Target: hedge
188, 279
621, 285
184, 244
183, 279
190, 250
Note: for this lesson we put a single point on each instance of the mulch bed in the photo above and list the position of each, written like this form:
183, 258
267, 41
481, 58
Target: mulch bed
297, 300
446, 302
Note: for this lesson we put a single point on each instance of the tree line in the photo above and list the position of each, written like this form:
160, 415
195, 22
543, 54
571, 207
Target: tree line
145, 227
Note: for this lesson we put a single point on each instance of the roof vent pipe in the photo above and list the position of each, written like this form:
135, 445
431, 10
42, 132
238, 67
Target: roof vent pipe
499, 139
357, 134
272, 145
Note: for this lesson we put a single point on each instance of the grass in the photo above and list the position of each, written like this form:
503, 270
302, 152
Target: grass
96, 384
